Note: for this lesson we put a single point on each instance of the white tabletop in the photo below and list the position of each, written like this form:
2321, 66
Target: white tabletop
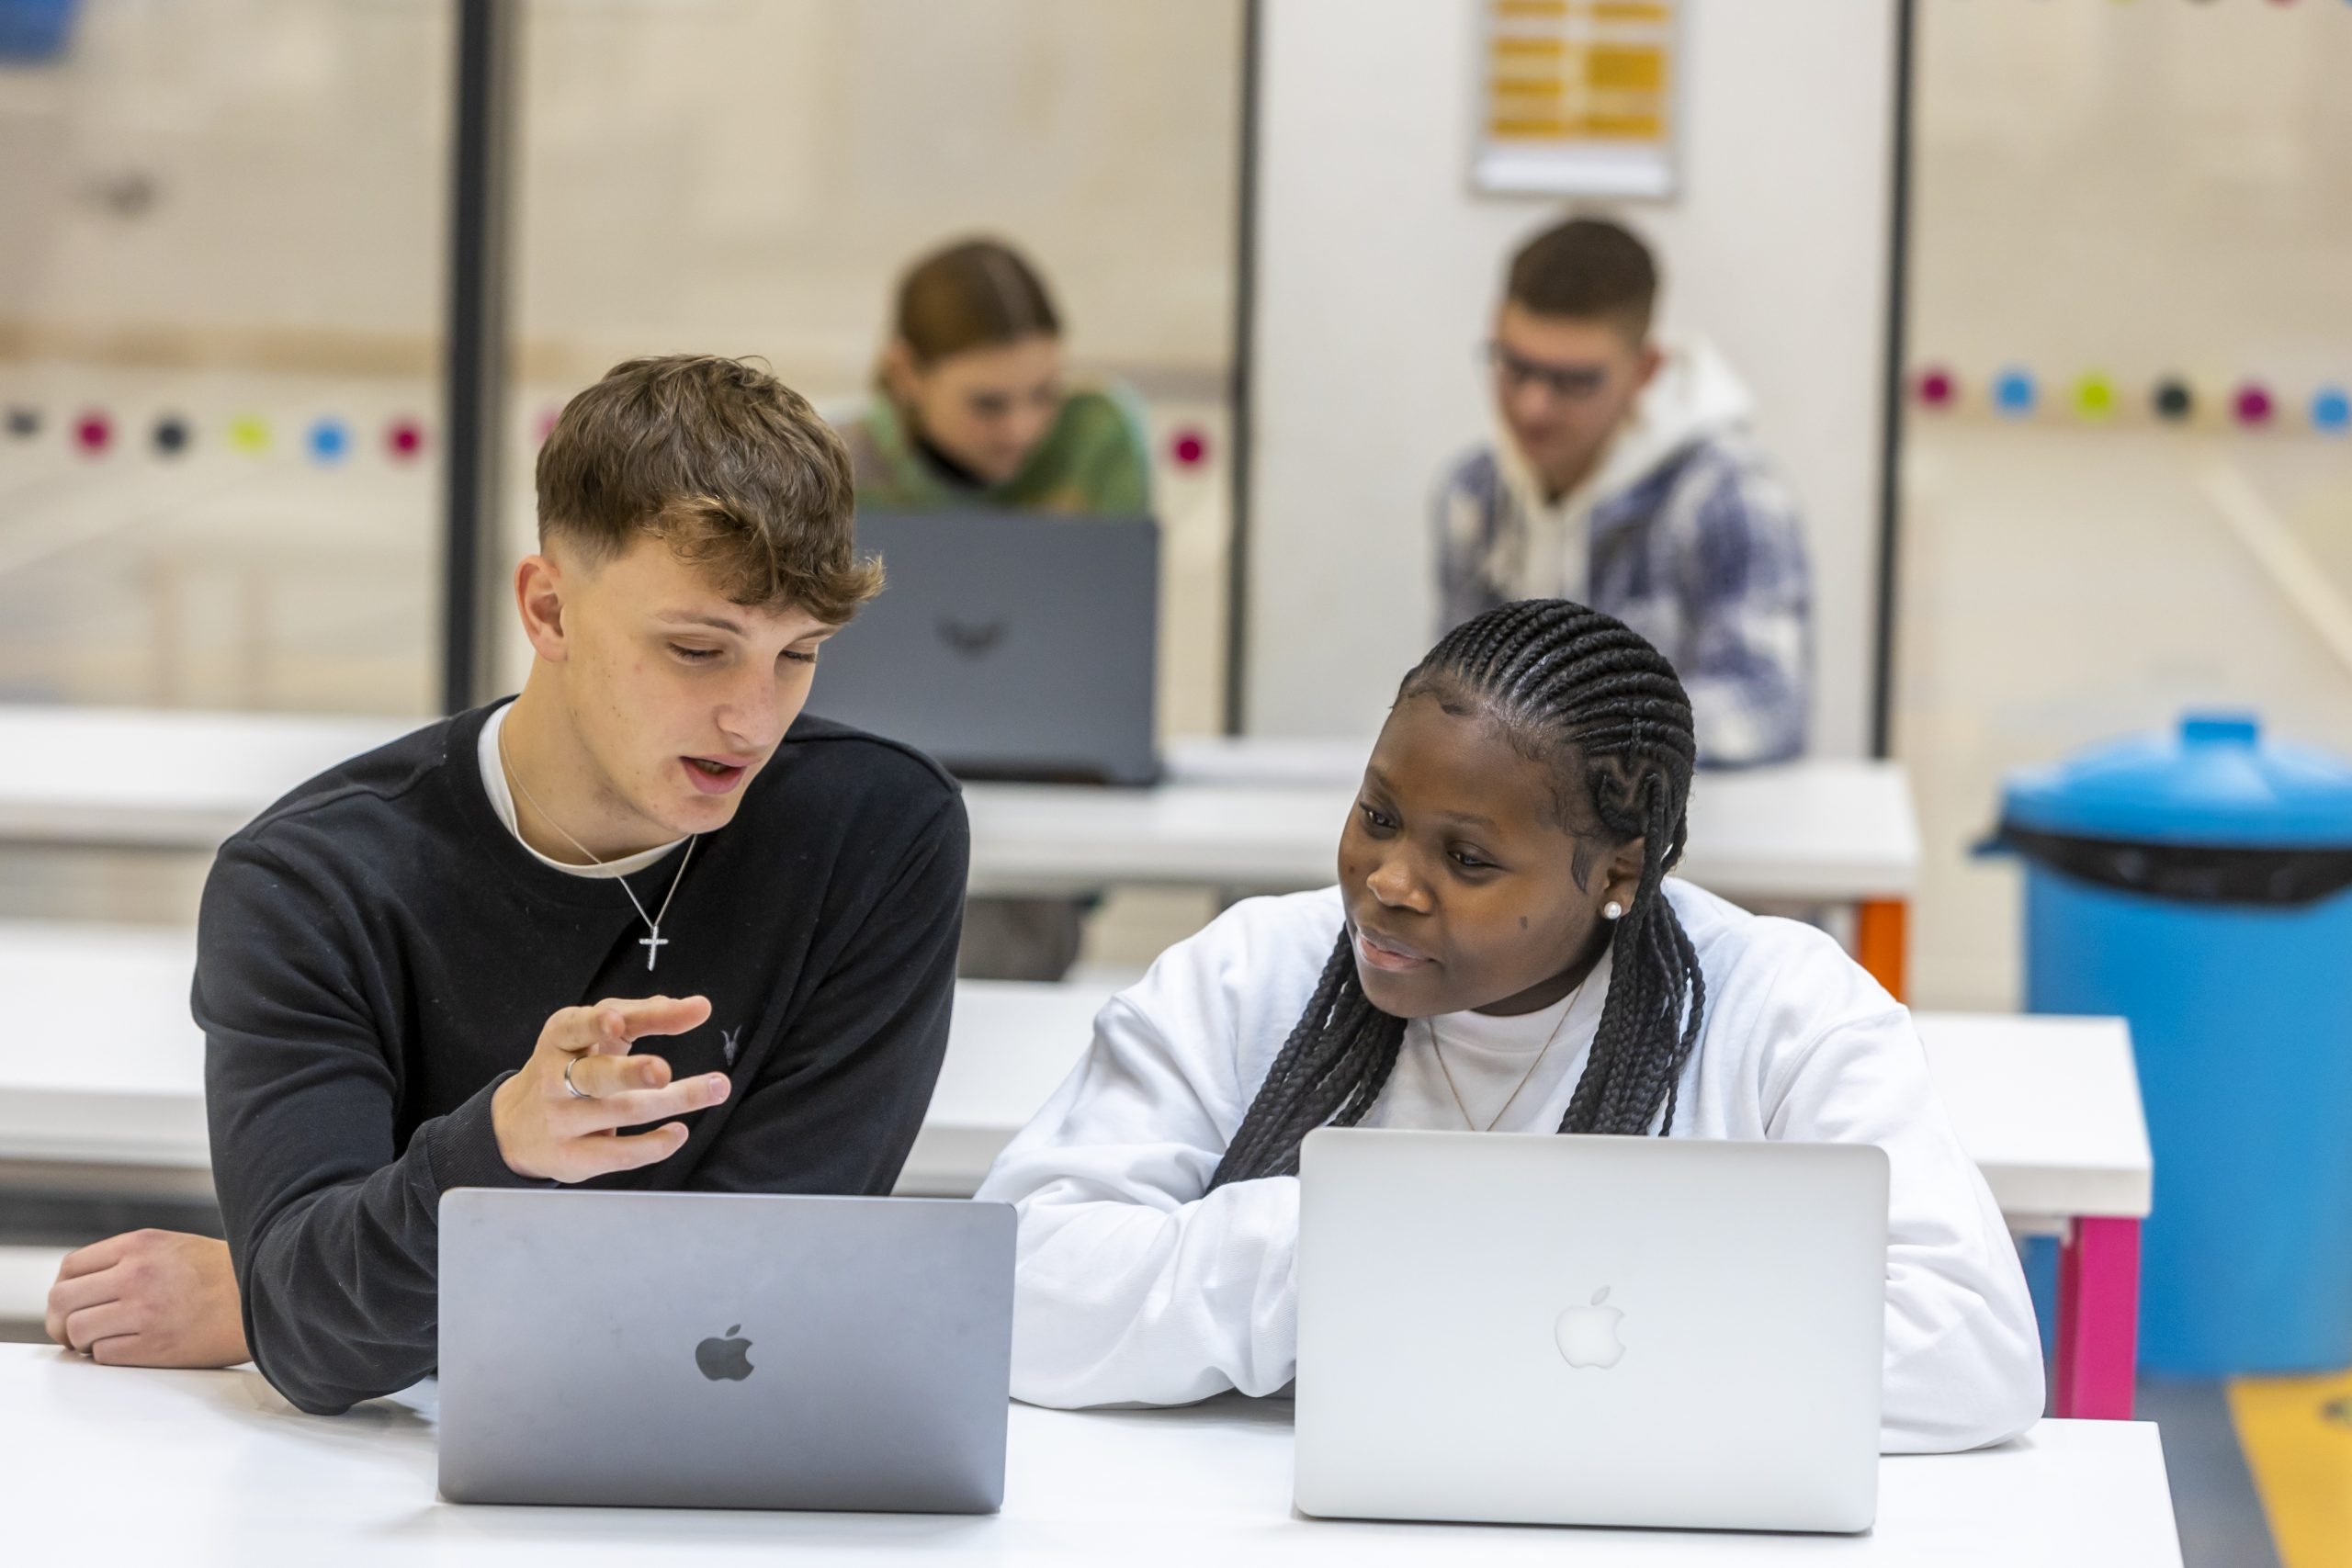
161, 778
214, 1467
1252, 815
102, 1066
2049, 1109
1827, 829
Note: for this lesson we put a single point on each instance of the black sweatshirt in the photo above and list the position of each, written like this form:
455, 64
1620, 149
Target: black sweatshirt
376, 953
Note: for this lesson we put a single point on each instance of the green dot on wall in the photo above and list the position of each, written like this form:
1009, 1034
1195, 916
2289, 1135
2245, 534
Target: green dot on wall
249, 433
2095, 396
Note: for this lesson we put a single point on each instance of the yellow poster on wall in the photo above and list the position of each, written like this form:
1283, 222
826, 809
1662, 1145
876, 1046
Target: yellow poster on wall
1578, 98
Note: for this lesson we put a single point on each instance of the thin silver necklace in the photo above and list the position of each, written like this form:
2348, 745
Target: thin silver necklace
1437, 1050
654, 941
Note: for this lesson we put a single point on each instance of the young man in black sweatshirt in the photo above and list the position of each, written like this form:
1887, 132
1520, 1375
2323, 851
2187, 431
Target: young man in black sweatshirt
432, 966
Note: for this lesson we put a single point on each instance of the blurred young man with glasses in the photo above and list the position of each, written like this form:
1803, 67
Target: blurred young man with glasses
1623, 477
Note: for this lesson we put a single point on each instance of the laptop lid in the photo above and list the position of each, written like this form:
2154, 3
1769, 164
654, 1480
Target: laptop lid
1591, 1331
724, 1350
1008, 645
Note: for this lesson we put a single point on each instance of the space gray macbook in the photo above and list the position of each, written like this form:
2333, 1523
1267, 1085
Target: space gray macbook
724, 1350
1525, 1329
1007, 645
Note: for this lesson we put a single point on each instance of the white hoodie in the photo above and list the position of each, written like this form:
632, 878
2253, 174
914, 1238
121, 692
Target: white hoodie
1695, 395
1133, 1287
1683, 531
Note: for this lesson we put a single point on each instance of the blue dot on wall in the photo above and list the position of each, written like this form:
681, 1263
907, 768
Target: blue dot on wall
2332, 409
330, 441
2013, 392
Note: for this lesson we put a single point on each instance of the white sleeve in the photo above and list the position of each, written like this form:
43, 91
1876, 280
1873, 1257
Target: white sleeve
1963, 1358
1132, 1286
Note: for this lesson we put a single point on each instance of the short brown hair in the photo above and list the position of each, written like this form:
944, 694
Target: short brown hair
725, 464
977, 293
1590, 269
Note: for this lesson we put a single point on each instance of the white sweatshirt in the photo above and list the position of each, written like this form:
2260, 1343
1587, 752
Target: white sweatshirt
1133, 1287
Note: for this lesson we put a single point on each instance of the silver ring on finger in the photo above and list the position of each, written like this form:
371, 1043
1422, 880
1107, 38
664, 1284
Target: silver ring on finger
577, 1092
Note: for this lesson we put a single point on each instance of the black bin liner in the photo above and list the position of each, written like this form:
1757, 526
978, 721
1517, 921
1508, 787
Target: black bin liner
2187, 873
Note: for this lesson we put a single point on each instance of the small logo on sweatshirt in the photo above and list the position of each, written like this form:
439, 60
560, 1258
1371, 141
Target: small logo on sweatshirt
727, 1042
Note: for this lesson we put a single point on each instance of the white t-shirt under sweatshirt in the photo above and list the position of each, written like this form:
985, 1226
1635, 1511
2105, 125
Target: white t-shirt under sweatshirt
1134, 1287
502, 801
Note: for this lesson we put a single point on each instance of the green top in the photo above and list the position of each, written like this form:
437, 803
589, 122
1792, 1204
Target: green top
1093, 461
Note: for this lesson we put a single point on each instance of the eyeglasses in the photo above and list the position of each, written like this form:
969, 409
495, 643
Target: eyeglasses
1571, 382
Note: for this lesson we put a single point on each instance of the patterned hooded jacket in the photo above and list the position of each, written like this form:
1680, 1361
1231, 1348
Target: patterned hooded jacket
1684, 532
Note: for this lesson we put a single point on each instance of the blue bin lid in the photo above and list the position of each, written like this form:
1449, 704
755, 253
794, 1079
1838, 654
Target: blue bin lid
2217, 782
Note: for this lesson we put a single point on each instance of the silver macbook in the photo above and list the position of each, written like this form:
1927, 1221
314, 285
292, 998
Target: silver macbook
724, 1350
1008, 645
1518, 1329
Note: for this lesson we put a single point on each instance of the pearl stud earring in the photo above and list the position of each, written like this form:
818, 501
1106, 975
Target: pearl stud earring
1614, 911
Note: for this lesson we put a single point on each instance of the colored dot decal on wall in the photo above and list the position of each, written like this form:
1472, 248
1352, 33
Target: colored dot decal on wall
1937, 387
2332, 409
92, 433
404, 439
2251, 405
2013, 392
2172, 400
544, 426
23, 423
329, 441
249, 433
171, 436
2095, 396
1188, 448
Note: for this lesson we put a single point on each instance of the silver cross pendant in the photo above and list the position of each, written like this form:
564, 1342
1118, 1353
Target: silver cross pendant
653, 946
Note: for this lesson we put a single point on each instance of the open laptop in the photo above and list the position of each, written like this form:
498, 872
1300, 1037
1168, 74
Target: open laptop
1518, 1329
724, 1350
1008, 645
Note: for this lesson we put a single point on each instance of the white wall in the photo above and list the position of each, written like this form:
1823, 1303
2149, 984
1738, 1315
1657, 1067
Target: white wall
1377, 271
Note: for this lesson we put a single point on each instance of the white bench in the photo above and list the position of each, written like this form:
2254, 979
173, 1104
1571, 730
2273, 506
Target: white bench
103, 1069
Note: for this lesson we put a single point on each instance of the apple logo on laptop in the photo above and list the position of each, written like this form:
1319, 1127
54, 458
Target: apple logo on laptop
725, 1359
1588, 1335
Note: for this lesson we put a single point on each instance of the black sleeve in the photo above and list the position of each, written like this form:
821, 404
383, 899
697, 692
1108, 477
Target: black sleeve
858, 1064
332, 1229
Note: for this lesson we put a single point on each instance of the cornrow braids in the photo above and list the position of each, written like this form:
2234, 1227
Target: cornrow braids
1583, 691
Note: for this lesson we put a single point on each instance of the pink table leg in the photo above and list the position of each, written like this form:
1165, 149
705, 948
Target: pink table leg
2098, 1319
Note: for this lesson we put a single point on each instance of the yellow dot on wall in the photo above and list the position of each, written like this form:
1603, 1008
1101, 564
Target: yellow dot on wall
2095, 396
249, 433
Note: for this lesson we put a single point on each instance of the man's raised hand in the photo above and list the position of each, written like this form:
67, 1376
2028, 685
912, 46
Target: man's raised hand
560, 1132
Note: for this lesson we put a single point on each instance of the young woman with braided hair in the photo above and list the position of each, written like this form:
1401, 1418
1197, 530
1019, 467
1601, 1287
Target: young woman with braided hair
1503, 953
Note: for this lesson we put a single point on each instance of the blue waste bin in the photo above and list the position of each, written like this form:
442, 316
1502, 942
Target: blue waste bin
2201, 886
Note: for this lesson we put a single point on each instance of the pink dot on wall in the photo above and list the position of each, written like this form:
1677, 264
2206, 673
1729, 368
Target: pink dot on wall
1937, 388
1188, 448
2252, 404
404, 439
92, 431
544, 426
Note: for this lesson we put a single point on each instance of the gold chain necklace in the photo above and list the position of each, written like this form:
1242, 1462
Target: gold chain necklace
1437, 1050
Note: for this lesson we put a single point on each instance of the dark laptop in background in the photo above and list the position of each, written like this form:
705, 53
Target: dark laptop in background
1009, 645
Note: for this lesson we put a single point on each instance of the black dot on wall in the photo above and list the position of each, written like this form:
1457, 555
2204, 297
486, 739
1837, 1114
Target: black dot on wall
23, 422
171, 436
2172, 401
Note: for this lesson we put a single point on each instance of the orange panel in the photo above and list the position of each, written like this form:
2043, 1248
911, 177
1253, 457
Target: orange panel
1881, 942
